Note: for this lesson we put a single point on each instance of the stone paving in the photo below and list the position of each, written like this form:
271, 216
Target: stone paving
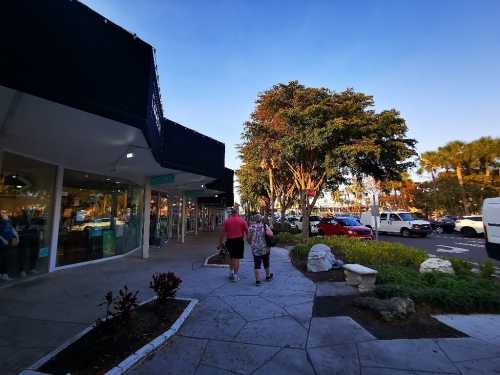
236, 327
243, 329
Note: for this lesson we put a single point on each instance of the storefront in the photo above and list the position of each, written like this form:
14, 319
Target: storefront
100, 217
27, 201
90, 168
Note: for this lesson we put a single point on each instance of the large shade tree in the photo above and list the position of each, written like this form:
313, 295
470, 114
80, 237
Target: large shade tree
324, 138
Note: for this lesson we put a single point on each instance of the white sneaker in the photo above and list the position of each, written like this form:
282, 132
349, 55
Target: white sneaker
236, 278
5, 277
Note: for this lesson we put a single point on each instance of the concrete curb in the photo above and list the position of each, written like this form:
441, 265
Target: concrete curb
205, 264
132, 359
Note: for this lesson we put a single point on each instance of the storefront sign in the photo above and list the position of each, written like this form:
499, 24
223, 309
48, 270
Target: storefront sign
43, 252
163, 179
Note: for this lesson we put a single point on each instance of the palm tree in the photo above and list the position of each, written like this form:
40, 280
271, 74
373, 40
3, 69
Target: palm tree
454, 156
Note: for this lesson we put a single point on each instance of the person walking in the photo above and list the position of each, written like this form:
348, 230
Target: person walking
8, 238
260, 248
235, 230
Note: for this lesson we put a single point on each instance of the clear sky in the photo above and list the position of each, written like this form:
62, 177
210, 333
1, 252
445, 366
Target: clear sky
437, 62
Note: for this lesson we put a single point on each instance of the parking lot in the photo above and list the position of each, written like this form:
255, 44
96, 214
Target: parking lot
449, 245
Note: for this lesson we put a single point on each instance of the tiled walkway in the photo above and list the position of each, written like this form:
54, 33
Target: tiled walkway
241, 328
236, 328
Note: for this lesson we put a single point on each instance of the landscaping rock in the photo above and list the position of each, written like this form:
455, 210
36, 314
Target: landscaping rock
389, 309
320, 258
436, 265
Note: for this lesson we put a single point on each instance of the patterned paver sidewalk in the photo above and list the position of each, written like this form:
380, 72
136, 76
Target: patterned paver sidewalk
241, 328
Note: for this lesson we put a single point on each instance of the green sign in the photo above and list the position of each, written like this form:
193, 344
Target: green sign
163, 179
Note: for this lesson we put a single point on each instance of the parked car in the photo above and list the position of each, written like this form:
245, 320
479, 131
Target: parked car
344, 226
313, 224
470, 226
397, 222
443, 225
491, 224
102, 223
292, 220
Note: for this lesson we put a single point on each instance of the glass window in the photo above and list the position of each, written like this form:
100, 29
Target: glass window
405, 216
349, 222
383, 216
394, 217
26, 201
100, 217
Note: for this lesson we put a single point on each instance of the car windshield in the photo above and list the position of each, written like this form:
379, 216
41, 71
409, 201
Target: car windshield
405, 216
348, 221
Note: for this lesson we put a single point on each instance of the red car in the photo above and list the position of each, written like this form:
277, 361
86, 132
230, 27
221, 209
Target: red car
344, 226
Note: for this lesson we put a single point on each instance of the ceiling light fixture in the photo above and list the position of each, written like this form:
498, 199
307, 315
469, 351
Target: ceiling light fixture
130, 155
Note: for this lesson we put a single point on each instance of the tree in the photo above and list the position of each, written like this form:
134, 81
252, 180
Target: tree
325, 139
467, 172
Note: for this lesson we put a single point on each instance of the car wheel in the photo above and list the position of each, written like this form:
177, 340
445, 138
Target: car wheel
405, 232
439, 230
468, 232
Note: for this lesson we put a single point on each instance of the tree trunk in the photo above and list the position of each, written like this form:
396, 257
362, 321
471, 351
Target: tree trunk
305, 215
460, 178
272, 197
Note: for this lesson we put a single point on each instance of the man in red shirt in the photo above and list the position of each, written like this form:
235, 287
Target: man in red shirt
235, 230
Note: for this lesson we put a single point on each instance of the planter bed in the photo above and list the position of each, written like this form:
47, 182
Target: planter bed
217, 260
100, 349
418, 325
332, 275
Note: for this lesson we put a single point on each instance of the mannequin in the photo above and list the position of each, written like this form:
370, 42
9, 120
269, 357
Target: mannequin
8, 238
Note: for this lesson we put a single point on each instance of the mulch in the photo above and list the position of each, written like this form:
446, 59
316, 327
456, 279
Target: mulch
418, 325
332, 275
111, 342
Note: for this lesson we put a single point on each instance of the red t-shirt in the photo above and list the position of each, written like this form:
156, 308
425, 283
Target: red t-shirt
235, 227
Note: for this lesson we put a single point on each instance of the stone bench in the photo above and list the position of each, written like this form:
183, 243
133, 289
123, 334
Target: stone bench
360, 276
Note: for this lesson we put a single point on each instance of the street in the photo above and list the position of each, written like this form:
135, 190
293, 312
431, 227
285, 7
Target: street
448, 245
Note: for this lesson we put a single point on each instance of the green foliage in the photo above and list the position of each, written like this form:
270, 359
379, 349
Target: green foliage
439, 290
300, 252
487, 269
461, 267
165, 285
288, 238
372, 253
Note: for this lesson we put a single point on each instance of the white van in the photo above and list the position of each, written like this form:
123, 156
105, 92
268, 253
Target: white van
491, 222
397, 222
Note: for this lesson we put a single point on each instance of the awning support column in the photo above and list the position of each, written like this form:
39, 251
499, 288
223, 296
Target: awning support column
195, 217
147, 220
183, 218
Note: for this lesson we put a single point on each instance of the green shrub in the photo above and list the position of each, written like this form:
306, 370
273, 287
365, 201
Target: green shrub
487, 269
288, 238
300, 252
461, 267
440, 290
372, 253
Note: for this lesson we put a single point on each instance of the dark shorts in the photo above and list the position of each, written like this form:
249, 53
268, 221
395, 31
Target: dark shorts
259, 259
235, 247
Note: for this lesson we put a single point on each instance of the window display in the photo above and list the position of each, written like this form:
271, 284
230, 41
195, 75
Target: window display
100, 217
26, 201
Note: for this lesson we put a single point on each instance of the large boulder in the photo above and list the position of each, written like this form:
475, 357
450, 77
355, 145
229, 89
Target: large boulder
320, 258
388, 309
436, 265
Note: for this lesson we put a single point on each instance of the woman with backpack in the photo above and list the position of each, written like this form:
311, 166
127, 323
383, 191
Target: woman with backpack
260, 240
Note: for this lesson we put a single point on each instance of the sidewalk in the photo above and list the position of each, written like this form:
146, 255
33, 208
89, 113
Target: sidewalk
38, 315
237, 327
241, 328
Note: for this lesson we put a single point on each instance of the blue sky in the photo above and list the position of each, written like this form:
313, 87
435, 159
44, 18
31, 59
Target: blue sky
437, 62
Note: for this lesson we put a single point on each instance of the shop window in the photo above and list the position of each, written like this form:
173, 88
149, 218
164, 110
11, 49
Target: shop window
100, 217
26, 203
